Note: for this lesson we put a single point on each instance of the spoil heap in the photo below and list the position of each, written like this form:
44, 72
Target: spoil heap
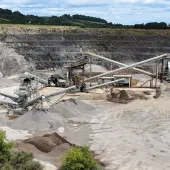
50, 147
47, 142
124, 96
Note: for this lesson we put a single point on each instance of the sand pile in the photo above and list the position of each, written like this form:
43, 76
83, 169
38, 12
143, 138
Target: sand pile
47, 142
12, 134
3, 120
7, 82
38, 120
124, 96
71, 108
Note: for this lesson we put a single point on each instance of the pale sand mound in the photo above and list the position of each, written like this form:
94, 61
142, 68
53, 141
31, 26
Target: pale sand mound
7, 82
12, 134
72, 108
3, 120
39, 120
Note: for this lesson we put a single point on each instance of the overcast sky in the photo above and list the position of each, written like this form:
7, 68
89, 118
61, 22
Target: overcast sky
116, 11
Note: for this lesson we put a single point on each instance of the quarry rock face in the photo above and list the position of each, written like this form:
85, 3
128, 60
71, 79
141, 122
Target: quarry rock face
47, 47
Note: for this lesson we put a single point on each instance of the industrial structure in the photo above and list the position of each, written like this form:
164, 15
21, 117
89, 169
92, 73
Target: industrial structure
21, 103
27, 95
158, 59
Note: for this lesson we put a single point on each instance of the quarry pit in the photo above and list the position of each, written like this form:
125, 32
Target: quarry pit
127, 127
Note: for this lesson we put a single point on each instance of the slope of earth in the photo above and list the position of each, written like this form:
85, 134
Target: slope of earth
44, 45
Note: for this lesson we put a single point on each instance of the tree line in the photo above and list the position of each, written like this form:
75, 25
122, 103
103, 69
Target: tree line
9, 17
152, 25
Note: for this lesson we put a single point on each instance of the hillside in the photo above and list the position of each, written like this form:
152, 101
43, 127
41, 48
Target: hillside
10, 17
15, 17
46, 47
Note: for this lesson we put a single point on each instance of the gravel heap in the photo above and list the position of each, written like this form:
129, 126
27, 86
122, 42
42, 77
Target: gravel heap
39, 120
53, 118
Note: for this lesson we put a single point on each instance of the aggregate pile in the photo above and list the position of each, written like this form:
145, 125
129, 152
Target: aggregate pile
53, 118
72, 108
12, 134
7, 82
38, 120
3, 120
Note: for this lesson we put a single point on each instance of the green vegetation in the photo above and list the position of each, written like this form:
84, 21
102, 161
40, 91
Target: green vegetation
79, 158
10, 17
10, 160
152, 25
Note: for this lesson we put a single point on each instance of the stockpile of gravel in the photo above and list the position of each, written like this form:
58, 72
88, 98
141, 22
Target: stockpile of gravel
72, 108
39, 120
54, 118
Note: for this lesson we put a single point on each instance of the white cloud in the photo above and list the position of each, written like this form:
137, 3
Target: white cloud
116, 11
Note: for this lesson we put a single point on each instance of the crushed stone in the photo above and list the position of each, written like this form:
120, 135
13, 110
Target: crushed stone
38, 120
72, 108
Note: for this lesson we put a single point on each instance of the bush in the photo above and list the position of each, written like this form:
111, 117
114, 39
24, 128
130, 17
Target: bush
24, 161
5, 148
10, 160
79, 158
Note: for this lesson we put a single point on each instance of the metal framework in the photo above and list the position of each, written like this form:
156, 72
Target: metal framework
105, 84
129, 66
128, 79
121, 64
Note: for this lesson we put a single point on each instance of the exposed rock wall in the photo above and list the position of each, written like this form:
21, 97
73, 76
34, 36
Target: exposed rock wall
45, 45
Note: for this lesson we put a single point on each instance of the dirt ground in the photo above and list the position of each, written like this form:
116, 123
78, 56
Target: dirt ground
122, 136
133, 136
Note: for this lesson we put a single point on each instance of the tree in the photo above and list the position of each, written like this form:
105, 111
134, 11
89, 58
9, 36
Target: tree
10, 160
151, 25
79, 158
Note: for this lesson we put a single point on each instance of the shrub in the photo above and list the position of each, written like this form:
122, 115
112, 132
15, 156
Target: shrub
24, 161
10, 160
79, 158
5, 148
